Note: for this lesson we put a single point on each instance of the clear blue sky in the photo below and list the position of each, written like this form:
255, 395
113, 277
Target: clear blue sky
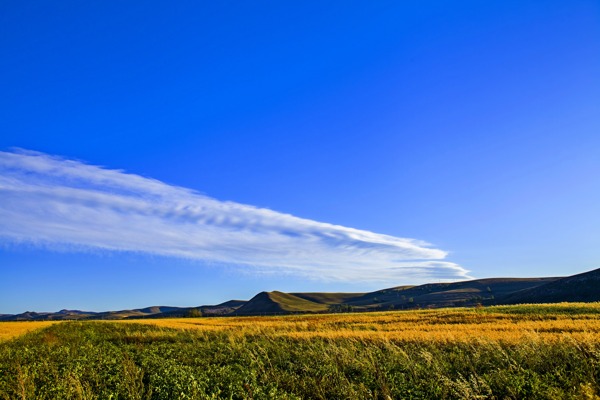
471, 125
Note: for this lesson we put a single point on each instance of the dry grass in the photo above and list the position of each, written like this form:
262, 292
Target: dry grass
446, 325
9, 330
545, 322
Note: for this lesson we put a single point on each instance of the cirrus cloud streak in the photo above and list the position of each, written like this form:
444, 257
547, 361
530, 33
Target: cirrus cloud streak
52, 201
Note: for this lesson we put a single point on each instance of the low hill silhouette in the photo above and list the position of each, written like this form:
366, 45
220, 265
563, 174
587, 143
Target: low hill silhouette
583, 287
279, 303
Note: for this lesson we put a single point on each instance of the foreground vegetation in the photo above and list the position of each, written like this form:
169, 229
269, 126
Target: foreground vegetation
516, 352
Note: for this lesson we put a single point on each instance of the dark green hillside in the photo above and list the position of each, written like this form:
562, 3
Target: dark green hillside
141, 312
157, 309
278, 303
447, 294
46, 316
434, 295
225, 308
582, 287
329, 298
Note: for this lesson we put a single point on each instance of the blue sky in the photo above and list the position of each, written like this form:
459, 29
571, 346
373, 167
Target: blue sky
190, 153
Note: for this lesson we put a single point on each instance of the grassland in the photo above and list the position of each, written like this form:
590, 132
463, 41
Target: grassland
510, 352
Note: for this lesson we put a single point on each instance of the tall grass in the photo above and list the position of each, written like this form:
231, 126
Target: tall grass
301, 357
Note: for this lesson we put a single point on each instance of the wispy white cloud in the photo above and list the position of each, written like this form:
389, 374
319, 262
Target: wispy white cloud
52, 201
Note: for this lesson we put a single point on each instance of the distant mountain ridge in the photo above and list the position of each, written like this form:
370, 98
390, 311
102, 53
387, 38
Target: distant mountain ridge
583, 287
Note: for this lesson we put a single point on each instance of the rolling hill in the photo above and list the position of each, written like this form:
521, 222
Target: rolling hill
581, 287
279, 303
491, 291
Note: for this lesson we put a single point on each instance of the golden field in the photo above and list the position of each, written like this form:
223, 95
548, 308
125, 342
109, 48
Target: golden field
549, 323
9, 330
510, 324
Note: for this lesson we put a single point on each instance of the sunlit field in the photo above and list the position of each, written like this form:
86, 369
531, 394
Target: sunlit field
9, 330
512, 352
506, 324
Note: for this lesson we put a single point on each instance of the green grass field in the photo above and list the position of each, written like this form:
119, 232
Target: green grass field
306, 357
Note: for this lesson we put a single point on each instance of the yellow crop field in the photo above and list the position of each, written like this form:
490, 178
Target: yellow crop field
9, 330
508, 324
